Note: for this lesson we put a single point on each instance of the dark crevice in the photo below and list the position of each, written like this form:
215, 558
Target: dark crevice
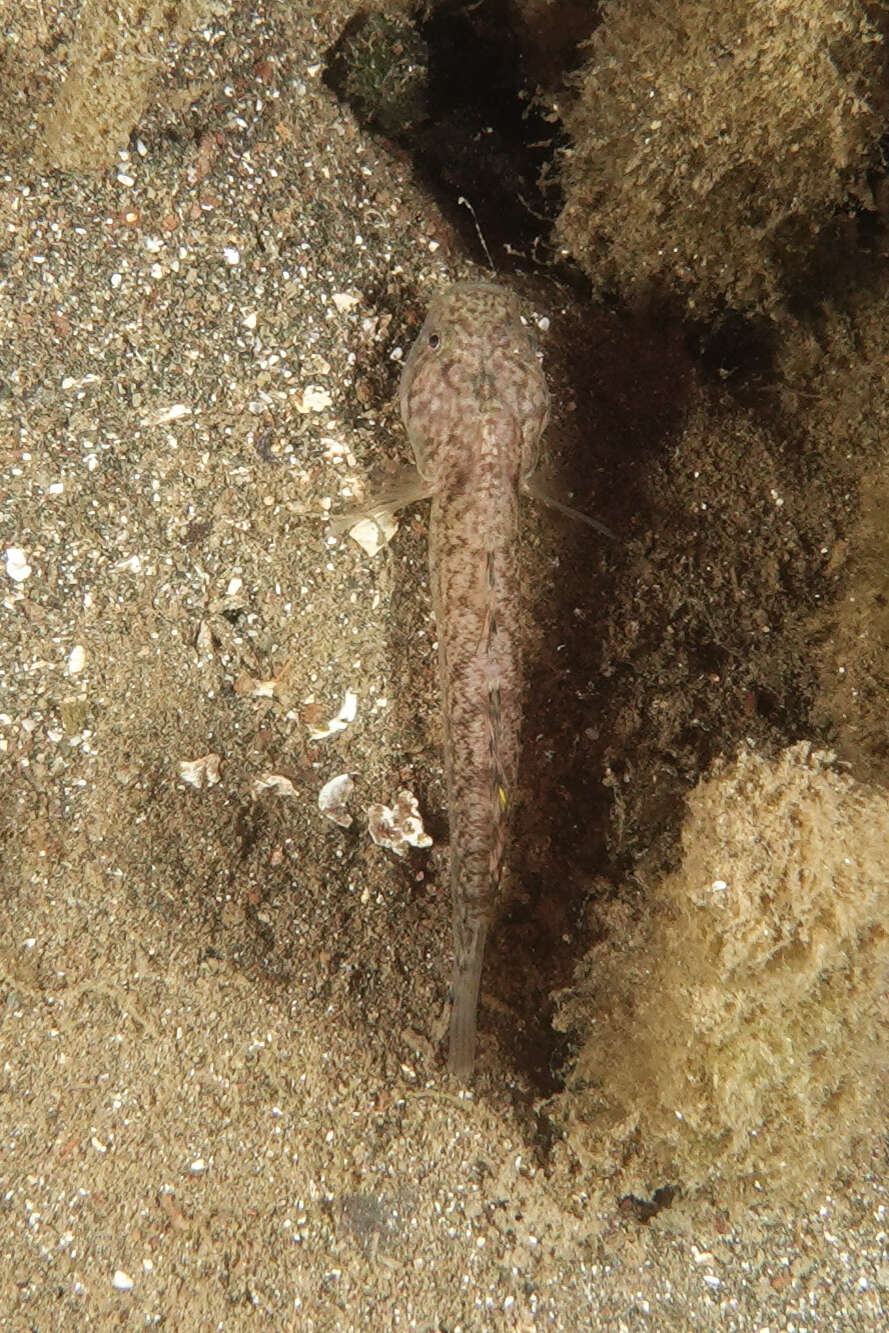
643, 1210
455, 91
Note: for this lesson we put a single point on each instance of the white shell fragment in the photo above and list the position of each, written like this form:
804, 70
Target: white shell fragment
203, 772
372, 534
399, 828
17, 566
333, 798
165, 415
76, 659
204, 641
314, 398
345, 301
248, 687
122, 1281
275, 782
346, 715
71, 382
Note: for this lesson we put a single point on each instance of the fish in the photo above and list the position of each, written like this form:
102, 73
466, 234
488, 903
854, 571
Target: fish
474, 402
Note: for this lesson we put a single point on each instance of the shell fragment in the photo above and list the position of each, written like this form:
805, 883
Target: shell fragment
400, 827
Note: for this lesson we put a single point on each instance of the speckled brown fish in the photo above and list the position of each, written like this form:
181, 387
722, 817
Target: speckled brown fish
474, 402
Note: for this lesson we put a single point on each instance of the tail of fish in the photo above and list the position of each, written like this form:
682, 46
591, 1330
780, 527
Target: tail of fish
464, 1000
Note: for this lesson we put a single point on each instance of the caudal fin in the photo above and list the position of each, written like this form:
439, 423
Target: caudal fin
464, 1007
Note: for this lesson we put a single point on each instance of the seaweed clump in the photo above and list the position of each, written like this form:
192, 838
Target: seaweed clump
712, 143
740, 1031
380, 67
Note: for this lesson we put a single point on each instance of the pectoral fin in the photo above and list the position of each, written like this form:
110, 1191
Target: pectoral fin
405, 488
535, 490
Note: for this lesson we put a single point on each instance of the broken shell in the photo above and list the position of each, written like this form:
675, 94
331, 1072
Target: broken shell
275, 782
372, 534
17, 566
248, 687
203, 772
398, 828
347, 714
314, 398
204, 641
76, 659
332, 799
164, 415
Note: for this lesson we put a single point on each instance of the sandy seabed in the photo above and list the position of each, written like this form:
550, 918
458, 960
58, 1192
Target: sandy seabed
222, 1092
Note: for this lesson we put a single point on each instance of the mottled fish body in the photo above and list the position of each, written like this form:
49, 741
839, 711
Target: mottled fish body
474, 402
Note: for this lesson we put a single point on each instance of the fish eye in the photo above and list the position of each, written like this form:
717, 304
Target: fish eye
434, 341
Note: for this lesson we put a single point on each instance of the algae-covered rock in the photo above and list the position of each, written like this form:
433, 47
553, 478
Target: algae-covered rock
711, 142
740, 1030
